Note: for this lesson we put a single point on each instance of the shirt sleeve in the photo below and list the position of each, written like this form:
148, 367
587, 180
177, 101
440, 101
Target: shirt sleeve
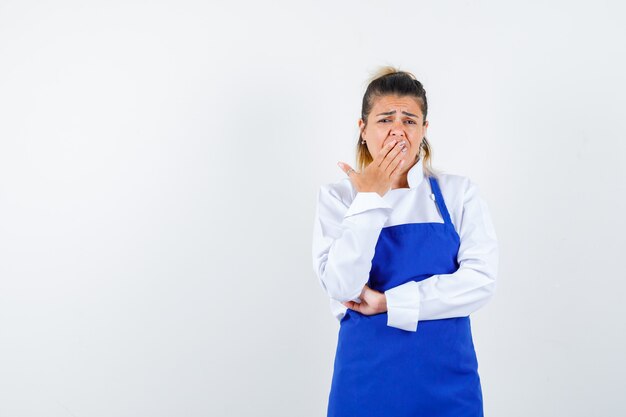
344, 240
460, 293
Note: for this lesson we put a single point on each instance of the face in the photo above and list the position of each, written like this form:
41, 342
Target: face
394, 117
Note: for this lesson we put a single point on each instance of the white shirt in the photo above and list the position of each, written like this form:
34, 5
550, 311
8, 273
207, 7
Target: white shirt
346, 230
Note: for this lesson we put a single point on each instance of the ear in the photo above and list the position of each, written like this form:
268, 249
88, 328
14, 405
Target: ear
361, 126
425, 127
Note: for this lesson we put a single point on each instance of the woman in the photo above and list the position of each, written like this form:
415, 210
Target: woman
405, 254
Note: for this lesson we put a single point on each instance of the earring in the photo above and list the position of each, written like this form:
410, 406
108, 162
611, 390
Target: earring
362, 141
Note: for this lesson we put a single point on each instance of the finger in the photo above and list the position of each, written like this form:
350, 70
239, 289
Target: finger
383, 152
356, 306
392, 157
347, 169
351, 305
397, 169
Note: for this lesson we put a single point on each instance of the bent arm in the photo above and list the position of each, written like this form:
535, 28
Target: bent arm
460, 293
344, 241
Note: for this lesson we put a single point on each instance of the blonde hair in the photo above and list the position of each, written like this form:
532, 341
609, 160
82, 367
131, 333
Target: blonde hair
389, 80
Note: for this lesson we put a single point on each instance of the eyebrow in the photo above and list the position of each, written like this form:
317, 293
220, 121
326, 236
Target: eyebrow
393, 112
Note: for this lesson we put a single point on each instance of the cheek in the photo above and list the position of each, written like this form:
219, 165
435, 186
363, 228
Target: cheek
376, 149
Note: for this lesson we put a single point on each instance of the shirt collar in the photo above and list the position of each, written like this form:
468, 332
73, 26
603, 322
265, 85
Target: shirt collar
415, 174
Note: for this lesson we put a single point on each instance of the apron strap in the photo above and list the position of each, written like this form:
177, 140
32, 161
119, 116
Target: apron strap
441, 204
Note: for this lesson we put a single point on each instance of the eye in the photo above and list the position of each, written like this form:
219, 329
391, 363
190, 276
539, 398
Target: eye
387, 120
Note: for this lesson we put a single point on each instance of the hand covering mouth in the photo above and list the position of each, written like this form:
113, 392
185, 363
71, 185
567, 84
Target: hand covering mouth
398, 140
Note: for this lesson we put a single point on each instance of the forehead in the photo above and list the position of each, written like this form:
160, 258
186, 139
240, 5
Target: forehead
398, 103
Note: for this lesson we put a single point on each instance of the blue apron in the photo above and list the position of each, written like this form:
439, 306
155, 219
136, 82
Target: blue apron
383, 371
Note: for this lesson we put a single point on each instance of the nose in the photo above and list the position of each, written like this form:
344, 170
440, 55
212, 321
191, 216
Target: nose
397, 131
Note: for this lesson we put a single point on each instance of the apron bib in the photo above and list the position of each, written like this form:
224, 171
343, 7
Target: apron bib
383, 371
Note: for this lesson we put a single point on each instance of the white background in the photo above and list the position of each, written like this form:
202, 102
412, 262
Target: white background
159, 163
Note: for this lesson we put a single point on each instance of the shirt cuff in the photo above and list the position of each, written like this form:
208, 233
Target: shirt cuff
364, 201
403, 306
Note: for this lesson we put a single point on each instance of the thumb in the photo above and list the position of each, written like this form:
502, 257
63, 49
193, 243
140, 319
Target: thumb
345, 167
